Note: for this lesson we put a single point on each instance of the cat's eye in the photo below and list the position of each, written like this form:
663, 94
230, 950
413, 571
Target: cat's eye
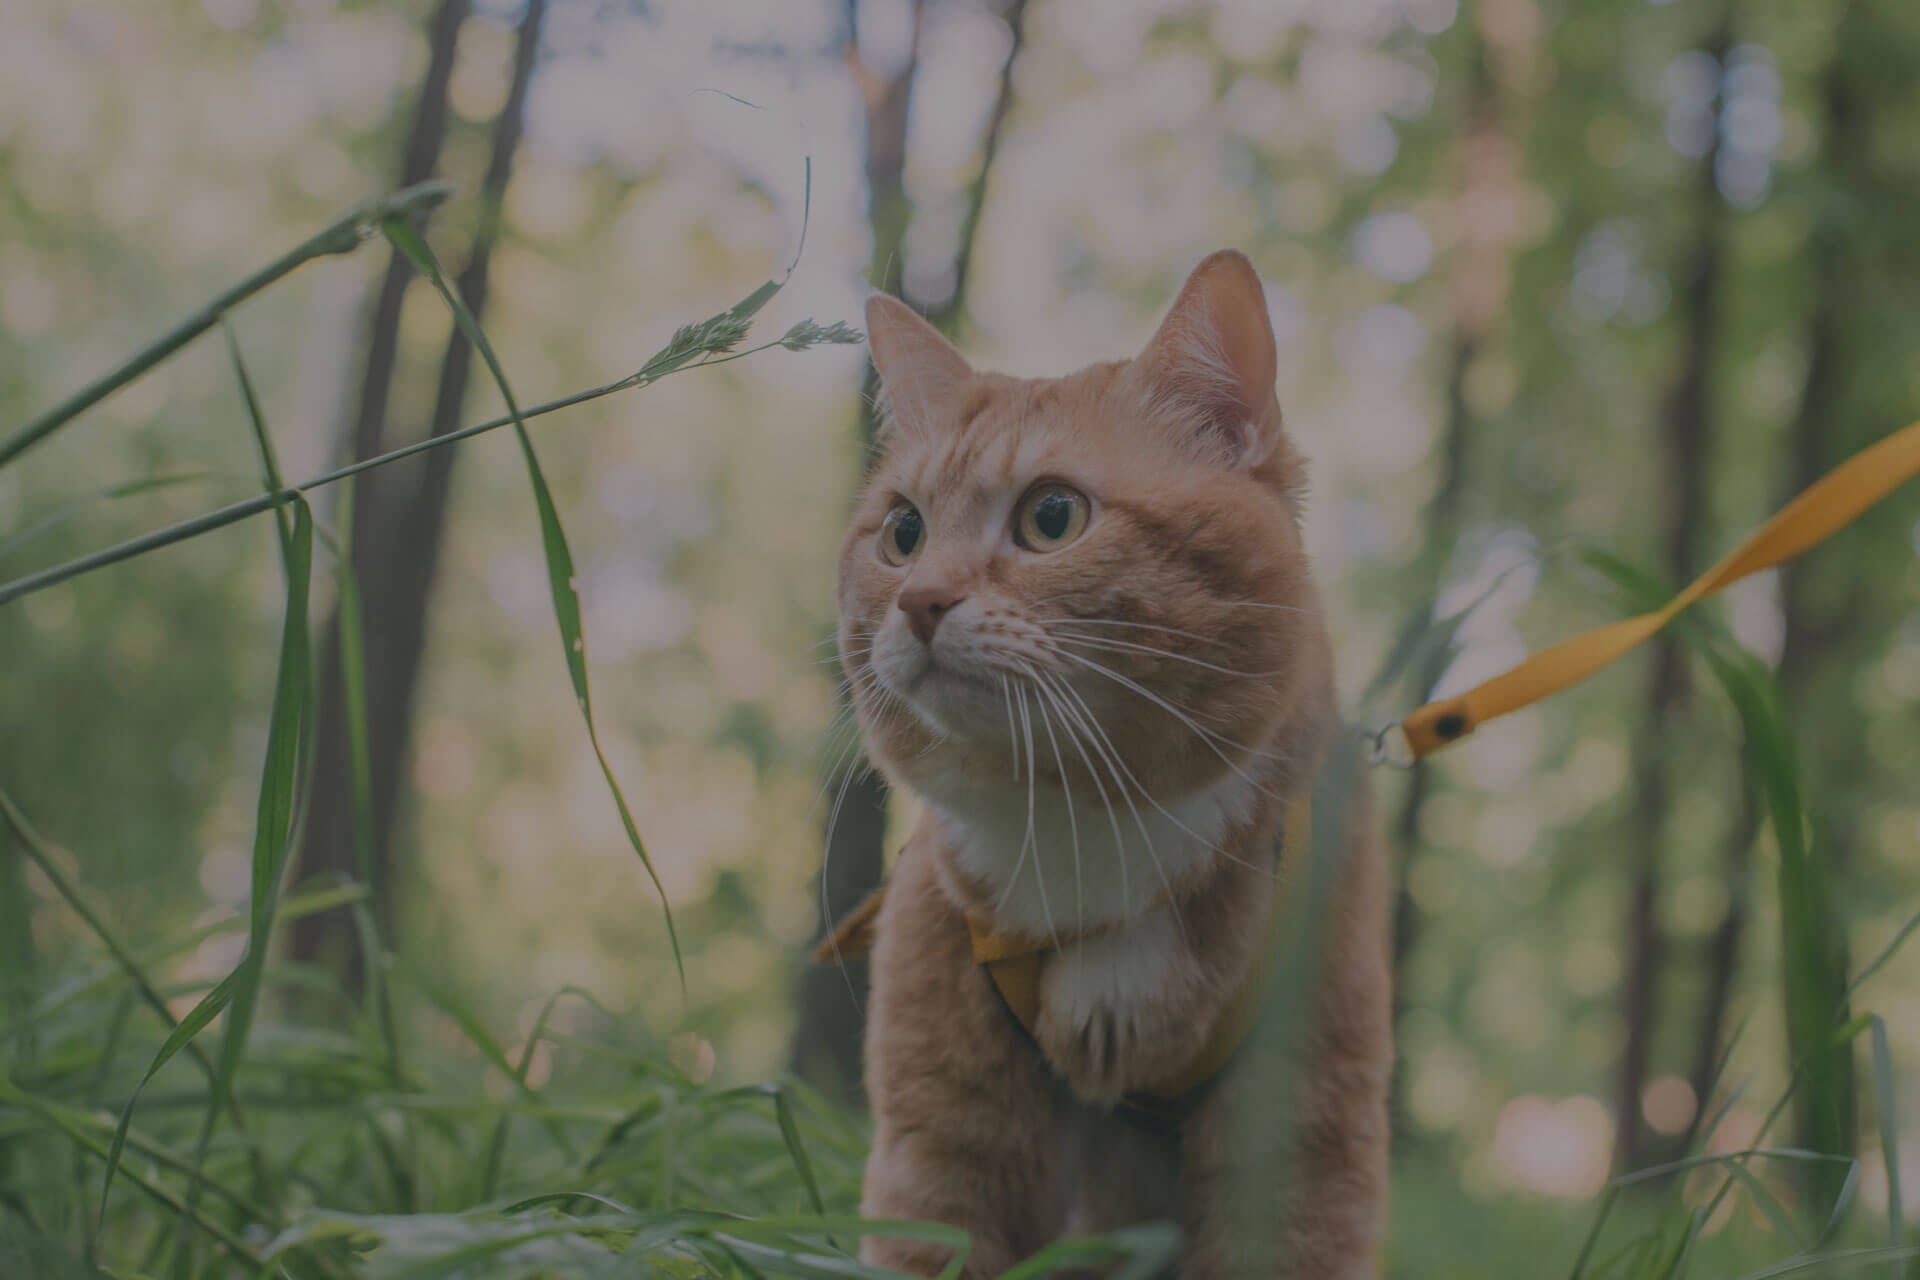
901, 533
1051, 516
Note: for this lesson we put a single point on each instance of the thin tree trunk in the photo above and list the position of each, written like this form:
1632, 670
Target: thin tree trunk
1686, 447
1478, 297
832, 999
396, 539
1806, 637
1723, 955
1817, 624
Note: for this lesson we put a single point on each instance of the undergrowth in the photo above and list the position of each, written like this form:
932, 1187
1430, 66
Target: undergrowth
155, 1126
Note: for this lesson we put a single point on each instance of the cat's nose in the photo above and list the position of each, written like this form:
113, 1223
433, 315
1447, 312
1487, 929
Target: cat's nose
926, 605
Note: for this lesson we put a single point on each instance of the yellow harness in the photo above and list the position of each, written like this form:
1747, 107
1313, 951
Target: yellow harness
1015, 963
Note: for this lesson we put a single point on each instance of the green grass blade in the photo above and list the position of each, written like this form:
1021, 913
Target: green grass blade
495, 1053
1593, 1233
790, 1135
41, 855
342, 236
497, 1142
233, 513
1813, 949
262, 438
272, 840
190, 1026
1832, 1263
1769, 1205
87, 1142
67, 511
562, 580
1888, 1117
1885, 953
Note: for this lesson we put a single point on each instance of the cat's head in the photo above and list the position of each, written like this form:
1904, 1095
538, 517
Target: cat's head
1096, 577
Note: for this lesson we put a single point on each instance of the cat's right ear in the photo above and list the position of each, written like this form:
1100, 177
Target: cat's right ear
1213, 358
919, 368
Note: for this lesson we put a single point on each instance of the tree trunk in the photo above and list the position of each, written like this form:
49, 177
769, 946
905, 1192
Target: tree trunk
832, 999
1686, 446
1479, 294
399, 520
1816, 657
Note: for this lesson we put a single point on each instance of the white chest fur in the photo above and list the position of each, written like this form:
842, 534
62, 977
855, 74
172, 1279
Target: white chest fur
1059, 864
1112, 972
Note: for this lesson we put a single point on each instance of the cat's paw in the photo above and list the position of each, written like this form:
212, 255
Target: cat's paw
1106, 1023
1094, 1052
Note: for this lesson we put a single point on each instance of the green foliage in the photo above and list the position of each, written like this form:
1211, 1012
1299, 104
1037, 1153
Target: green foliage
419, 1137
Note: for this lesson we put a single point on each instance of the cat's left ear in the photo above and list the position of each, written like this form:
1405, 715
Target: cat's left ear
919, 369
1213, 358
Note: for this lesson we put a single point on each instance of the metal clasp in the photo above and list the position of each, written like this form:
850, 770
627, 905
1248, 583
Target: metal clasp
1388, 746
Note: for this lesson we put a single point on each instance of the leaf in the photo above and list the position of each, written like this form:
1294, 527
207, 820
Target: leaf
1888, 1118
790, 1134
272, 835
190, 1026
262, 439
68, 510
562, 581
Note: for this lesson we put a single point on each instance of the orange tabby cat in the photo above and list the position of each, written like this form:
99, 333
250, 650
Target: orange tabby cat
1079, 625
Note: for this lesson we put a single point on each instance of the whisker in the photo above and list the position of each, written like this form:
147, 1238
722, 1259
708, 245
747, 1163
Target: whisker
1013, 732
1126, 646
1142, 626
1030, 840
1173, 907
1042, 696
1208, 736
1113, 819
1148, 796
847, 777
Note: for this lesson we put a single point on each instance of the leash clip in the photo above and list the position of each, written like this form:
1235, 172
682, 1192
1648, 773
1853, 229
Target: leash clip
1388, 747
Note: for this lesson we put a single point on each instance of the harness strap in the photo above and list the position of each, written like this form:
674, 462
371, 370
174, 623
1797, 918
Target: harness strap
1015, 963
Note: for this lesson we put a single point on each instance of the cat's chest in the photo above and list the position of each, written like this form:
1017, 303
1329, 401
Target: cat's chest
1056, 865
1115, 970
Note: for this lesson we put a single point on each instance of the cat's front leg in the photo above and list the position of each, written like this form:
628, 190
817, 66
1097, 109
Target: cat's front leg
968, 1124
1124, 1010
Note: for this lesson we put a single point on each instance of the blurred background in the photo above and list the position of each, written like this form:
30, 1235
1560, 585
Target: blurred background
1544, 275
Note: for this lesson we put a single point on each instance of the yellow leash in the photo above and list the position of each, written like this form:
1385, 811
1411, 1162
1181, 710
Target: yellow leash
1014, 963
1829, 504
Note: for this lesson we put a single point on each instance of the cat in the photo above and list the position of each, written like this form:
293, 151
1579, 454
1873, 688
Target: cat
1078, 623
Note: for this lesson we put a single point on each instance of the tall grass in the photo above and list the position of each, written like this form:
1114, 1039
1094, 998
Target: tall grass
426, 1146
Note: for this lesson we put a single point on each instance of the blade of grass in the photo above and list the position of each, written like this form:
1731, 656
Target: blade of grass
262, 438
235, 512
1888, 1120
273, 831
341, 236
1832, 1263
790, 1135
1813, 949
190, 1026
562, 580
64, 996
42, 857
85, 1141
497, 1143
1593, 1233
490, 1048
693, 346
68, 510
1885, 954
